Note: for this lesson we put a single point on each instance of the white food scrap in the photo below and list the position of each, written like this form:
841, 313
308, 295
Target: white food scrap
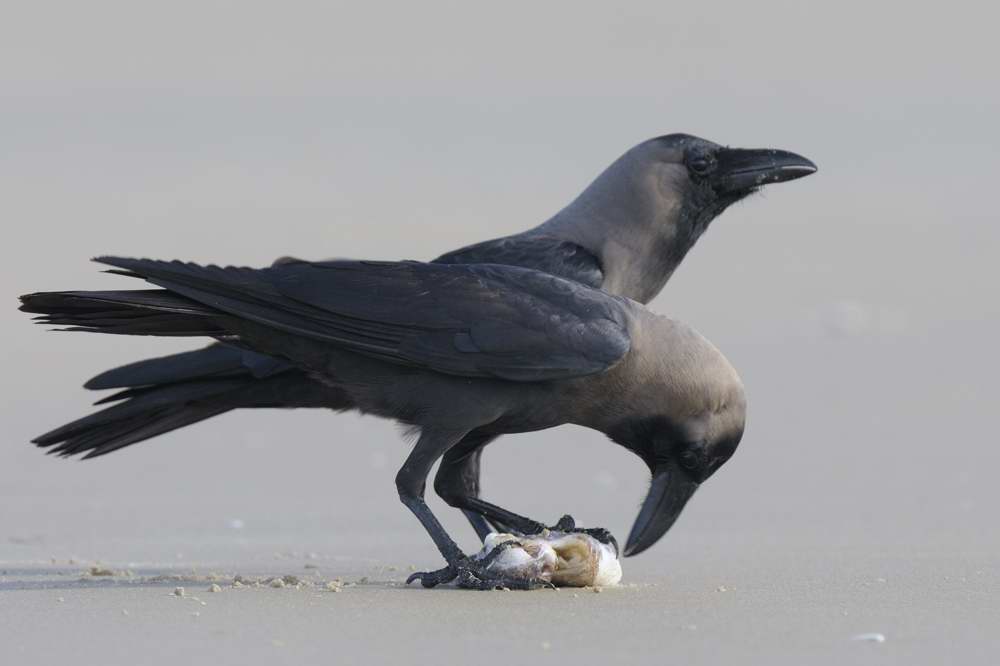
570, 559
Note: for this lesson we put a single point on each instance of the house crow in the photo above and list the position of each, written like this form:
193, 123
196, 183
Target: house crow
626, 234
462, 353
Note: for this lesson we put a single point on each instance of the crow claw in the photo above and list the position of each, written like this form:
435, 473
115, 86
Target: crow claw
433, 578
568, 524
564, 524
472, 574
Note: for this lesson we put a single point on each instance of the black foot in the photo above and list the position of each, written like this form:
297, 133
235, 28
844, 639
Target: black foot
434, 578
479, 578
567, 524
474, 574
564, 524
602, 535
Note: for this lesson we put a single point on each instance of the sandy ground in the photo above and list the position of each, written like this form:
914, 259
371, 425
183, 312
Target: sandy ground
787, 557
861, 501
859, 306
807, 606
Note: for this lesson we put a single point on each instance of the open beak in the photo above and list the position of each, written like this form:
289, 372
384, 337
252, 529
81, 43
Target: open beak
670, 490
745, 169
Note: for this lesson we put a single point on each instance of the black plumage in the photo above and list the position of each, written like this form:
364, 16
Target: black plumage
625, 234
464, 353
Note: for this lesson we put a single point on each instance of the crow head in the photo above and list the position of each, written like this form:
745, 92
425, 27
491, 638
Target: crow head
645, 211
686, 420
702, 178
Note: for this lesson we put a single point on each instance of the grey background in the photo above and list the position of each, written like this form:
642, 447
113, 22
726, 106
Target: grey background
859, 305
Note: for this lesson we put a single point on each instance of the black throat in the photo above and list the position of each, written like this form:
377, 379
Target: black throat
701, 204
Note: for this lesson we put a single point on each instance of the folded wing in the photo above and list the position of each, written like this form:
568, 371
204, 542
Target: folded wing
470, 320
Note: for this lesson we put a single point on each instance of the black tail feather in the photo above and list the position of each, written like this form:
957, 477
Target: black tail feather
170, 392
145, 411
215, 361
142, 413
135, 312
118, 434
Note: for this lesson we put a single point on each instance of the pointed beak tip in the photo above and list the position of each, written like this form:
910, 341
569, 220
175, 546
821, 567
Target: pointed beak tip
806, 166
640, 538
753, 168
788, 166
669, 491
794, 171
632, 549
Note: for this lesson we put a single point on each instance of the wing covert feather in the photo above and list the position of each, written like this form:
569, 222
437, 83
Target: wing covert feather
476, 320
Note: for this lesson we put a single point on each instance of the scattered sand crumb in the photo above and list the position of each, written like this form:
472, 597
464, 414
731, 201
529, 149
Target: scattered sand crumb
196, 614
722, 588
214, 588
872, 637
178, 591
277, 582
334, 585
61, 599
101, 571
598, 589
237, 583
124, 612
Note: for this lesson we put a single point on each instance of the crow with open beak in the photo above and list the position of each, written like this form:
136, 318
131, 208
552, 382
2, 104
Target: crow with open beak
464, 352
626, 233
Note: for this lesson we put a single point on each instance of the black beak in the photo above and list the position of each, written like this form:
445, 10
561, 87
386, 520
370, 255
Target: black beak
672, 487
741, 169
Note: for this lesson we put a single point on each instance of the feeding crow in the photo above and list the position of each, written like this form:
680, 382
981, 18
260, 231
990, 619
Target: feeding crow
463, 352
625, 234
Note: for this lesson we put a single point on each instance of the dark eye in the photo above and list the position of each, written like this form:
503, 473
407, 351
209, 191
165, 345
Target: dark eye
700, 165
689, 460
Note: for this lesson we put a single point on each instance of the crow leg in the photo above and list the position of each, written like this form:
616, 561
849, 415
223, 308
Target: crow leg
459, 474
410, 482
457, 483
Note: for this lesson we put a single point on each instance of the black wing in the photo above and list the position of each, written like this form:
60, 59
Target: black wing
543, 253
216, 361
471, 320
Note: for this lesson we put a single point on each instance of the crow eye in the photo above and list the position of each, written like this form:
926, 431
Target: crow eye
689, 460
700, 165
